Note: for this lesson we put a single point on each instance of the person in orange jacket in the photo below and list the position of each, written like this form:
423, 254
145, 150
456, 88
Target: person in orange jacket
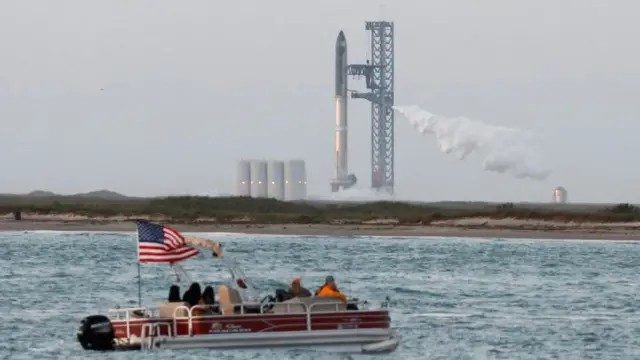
330, 289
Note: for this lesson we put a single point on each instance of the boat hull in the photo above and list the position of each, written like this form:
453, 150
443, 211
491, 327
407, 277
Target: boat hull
352, 332
349, 341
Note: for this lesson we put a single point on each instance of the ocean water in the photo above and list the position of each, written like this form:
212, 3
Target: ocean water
451, 298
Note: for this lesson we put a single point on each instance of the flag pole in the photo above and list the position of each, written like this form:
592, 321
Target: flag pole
139, 287
139, 276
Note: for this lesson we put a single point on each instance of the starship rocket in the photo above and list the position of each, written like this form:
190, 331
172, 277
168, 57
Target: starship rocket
343, 179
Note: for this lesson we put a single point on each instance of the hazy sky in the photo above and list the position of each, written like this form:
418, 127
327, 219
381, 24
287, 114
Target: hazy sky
192, 86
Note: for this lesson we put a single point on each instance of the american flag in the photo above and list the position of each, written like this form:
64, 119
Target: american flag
159, 243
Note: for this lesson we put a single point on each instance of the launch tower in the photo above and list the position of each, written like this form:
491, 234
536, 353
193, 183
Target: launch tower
379, 76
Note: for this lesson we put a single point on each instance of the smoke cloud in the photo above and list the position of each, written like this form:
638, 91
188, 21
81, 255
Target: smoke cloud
506, 151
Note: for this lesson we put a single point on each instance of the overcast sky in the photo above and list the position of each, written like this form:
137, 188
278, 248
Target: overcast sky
190, 87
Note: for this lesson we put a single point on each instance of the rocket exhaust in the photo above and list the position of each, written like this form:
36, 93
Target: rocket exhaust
343, 180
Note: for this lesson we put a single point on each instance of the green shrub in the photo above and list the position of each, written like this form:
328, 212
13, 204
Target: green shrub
246, 209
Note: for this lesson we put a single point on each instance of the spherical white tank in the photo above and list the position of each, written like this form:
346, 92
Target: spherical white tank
243, 178
275, 178
259, 178
295, 180
560, 195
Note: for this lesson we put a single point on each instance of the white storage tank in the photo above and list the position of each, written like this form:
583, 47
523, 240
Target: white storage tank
243, 178
295, 180
259, 178
560, 195
275, 178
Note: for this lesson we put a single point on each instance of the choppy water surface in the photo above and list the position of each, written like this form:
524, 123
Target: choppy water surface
452, 298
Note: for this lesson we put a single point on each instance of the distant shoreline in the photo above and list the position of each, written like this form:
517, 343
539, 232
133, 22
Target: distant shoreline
471, 227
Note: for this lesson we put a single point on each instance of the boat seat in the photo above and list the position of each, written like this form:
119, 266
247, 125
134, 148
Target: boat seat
228, 299
326, 304
167, 310
291, 306
301, 304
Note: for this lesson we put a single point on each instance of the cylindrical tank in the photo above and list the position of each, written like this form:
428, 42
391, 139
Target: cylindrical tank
560, 195
275, 177
259, 179
243, 180
295, 180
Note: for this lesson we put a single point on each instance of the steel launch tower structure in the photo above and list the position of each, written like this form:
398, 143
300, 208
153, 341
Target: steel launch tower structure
379, 76
379, 79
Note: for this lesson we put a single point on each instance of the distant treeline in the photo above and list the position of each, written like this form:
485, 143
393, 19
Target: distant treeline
271, 211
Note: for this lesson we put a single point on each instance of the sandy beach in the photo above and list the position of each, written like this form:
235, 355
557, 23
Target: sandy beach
471, 227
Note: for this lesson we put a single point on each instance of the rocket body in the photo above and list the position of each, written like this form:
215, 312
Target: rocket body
341, 107
342, 180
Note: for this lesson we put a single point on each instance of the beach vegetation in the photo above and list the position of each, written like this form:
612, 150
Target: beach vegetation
249, 210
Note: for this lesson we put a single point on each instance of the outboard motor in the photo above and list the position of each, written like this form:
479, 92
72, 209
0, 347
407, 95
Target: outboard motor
96, 333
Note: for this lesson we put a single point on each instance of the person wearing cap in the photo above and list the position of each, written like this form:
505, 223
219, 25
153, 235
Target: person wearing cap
330, 289
296, 290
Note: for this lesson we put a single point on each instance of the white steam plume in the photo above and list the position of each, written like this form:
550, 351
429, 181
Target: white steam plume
506, 150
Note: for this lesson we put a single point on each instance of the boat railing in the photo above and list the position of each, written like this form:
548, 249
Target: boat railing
334, 306
149, 334
330, 306
139, 313
184, 312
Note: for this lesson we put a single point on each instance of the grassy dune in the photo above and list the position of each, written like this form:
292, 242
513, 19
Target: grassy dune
229, 210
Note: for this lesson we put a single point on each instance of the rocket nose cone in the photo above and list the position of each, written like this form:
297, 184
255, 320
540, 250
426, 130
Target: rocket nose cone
341, 42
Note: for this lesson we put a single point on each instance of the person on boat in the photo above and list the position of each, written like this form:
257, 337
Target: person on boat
208, 298
330, 289
296, 289
174, 293
193, 295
